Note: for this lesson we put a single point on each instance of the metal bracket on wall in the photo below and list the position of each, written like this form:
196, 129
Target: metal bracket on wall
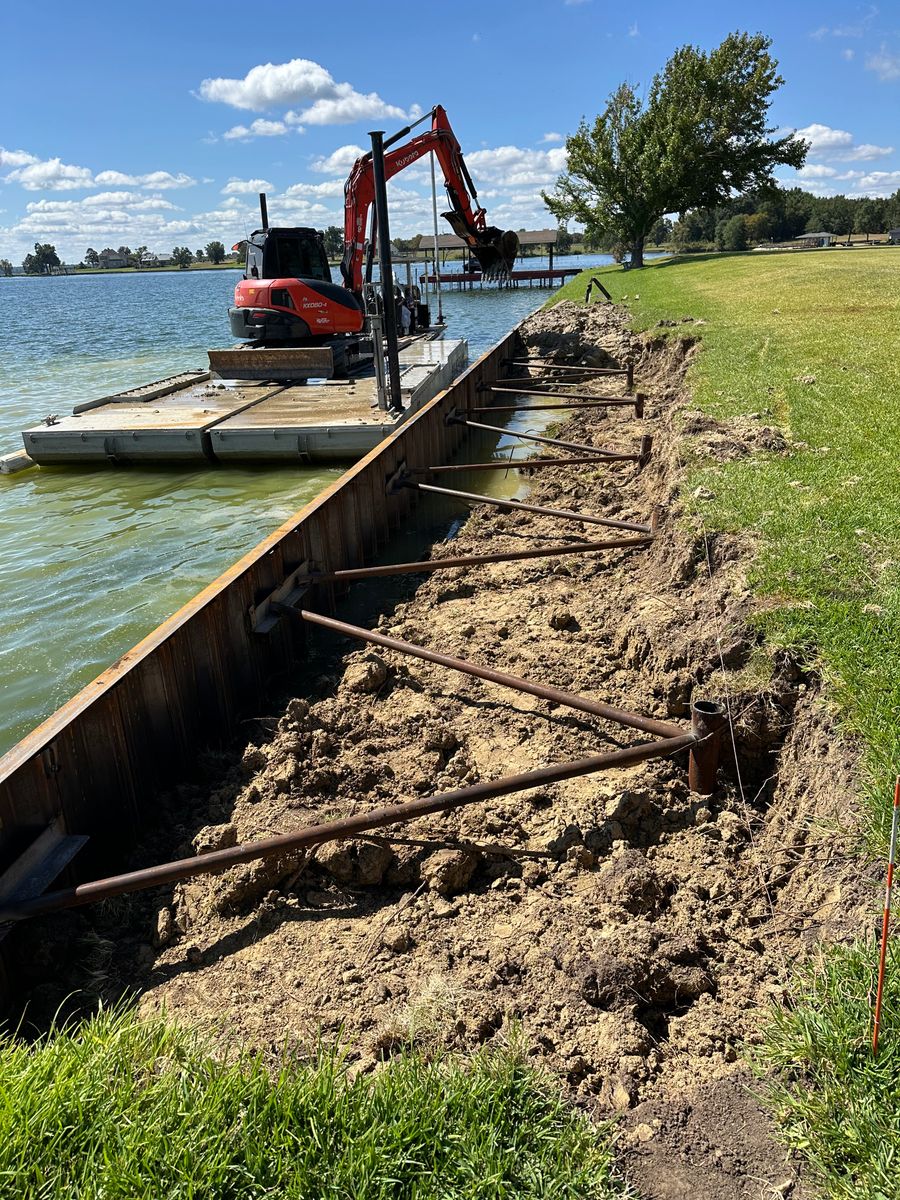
38, 866
399, 478
265, 615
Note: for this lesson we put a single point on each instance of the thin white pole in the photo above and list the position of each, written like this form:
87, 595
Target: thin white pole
437, 276
882, 959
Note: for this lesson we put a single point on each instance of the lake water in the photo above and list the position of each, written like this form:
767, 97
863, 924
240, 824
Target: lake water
93, 559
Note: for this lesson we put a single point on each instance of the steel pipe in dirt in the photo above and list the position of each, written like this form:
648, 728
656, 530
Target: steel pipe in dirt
499, 408
608, 712
315, 835
708, 720
636, 401
527, 464
455, 419
560, 514
353, 574
558, 366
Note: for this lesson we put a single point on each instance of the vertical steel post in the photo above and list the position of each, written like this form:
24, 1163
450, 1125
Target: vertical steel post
437, 269
707, 724
389, 315
263, 211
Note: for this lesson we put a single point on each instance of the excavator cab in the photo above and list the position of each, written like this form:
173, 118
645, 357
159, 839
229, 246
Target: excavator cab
297, 253
287, 296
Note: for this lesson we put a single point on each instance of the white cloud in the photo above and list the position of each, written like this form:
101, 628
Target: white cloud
867, 151
633, 30
113, 218
330, 187
153, 179
857, 30
348, 106
512, 166
823, 137
271, 85
837, 145
552, 137
97, 206
51, 175
885, 65
339, 161
300, 81
258, 128
816, 171
882, 183
240, 187
848, 53
16, 158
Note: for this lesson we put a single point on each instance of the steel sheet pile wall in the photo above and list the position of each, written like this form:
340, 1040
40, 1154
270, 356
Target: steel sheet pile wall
100, 759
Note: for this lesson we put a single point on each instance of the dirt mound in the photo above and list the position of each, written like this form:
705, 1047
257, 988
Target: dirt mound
629, 931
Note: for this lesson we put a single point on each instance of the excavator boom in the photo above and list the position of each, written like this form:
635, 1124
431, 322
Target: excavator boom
494, 248
287, 296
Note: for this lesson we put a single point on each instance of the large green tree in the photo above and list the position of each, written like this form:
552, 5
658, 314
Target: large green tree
215, 252
182, 256
334, 241
6, 267
869, 216
42, 261
699, 136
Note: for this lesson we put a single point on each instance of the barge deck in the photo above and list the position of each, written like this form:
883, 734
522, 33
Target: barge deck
197, 416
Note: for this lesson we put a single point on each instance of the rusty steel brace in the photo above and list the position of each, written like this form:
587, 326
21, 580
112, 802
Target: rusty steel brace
559, 514
315, 835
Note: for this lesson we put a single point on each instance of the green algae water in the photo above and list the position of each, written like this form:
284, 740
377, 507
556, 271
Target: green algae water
92, 559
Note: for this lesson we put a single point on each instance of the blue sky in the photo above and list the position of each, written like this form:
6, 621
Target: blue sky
157, 123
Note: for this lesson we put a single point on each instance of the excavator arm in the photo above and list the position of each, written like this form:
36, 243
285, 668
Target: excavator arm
494, 248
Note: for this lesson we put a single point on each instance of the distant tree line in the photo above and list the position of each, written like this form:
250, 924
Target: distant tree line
781, 214
768, 215
45, 259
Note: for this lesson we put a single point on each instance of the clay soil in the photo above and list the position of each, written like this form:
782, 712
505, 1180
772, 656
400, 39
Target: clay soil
628, 934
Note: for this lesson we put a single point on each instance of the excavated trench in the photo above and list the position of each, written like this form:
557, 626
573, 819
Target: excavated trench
628, 933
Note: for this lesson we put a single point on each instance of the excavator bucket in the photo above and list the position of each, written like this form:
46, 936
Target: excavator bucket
496, 252
495, 249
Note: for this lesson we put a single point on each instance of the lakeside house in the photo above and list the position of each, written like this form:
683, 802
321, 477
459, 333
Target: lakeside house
110, 259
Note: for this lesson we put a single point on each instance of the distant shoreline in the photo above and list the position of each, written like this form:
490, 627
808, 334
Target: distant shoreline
75, 272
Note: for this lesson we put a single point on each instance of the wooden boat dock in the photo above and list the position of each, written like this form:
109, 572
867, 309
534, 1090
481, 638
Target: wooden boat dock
549, 277
198, 416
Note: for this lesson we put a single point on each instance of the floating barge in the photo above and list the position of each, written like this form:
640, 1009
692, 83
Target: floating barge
200, 416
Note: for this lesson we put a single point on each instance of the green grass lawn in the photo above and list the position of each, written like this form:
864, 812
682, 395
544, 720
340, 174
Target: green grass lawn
121, 1109
811, 342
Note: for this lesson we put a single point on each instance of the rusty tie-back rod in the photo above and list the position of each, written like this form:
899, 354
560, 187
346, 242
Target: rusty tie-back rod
315, 835
608, 402
560, 514
577, 447
608, 712
558, 366
423, 566
635, 401
642, 456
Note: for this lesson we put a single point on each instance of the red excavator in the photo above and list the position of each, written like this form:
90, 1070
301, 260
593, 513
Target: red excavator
287, 296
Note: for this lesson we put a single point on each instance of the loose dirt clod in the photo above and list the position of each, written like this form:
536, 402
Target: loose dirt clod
631, 932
